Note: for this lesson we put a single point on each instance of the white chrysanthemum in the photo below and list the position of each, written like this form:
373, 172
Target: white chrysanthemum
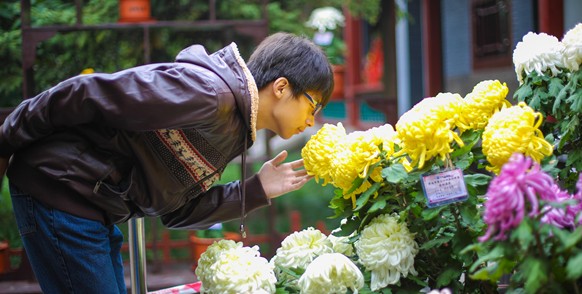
331, 273
240, 270
387, 249
204, 269
300, 248
326, 19
573, 47
540, 53
341, 245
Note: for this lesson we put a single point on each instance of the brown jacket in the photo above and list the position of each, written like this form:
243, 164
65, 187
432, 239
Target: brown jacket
150, 140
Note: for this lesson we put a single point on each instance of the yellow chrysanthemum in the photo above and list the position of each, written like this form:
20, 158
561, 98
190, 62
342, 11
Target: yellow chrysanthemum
319, 152
486, 98
87, 71
340, 159
384, 135
514, 129
426, 130
360, 151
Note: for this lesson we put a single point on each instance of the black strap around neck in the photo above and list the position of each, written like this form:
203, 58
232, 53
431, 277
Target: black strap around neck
243, 172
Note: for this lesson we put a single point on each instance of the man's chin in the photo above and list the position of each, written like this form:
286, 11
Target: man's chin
286, 135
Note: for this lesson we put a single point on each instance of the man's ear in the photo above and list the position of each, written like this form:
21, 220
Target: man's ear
279, 86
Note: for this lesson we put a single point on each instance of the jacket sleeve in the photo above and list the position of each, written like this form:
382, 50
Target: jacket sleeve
219, 204
142, 98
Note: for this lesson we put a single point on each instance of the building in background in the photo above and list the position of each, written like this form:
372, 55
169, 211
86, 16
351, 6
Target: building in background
442, 46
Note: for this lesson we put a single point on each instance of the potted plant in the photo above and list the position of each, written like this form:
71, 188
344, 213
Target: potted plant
134, 11
200, 240
327, 23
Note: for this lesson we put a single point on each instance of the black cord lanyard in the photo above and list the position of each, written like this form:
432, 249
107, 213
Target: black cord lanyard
243, 172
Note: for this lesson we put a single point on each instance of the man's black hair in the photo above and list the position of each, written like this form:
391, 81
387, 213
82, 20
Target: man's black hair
296, 58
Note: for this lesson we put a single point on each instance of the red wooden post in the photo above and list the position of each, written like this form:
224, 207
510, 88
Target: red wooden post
432, 44
352, 36
320, 225
295, 217
551, 17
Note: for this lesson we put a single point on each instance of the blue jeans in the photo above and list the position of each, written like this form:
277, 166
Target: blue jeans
69, 254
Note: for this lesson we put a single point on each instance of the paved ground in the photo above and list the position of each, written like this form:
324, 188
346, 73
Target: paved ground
165, 277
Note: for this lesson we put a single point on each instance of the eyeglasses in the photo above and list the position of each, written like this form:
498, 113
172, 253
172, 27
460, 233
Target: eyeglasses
316, 106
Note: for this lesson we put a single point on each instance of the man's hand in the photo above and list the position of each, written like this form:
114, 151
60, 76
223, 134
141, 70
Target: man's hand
279, 178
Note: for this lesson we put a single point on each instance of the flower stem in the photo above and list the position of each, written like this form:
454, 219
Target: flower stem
457, 216
539, 243
575, 284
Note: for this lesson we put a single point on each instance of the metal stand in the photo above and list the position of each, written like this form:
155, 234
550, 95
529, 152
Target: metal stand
137, 258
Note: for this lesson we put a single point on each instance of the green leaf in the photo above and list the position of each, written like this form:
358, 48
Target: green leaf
378, 205
534, 270
357, 183
563, 92
363, 199
436, 242
464, 162
431, 213
535, 101
496, 253
348, 228
281, 291
482, 274
394, 173
554, 90
476, 247
567, 239
494, 271
523, 92
555, 86
477, 180
576, 101
523, 234
573, 268
470, 138
574, 156
470, 215
447, 276
417, 280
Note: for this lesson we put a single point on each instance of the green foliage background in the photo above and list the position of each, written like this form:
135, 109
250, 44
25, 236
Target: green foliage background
67, 54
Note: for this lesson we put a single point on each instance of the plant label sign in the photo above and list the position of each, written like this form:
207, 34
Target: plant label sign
444, 187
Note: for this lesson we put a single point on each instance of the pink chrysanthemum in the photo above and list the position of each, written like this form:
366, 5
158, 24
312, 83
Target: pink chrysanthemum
513, 192
577, 209
557, 216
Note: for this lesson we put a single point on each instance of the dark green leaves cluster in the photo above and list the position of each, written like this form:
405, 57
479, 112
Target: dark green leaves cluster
538, 258
559, 99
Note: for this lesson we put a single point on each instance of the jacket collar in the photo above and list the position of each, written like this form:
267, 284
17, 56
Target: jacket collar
231, 67
252, 89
